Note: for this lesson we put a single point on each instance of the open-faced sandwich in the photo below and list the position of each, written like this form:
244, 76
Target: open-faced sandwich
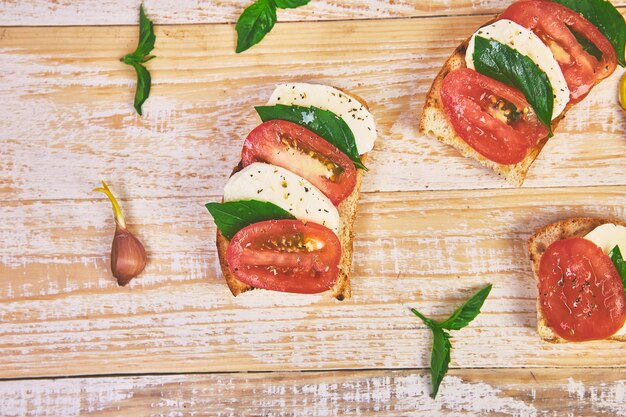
285, 223
503, 91
580, 277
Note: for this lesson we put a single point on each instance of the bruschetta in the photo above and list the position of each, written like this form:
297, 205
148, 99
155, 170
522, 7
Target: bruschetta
286, 219
580, 275
503, 92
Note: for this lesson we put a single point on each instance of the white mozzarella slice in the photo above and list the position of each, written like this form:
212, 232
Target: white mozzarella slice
607, 236
526, 43
292, 193
356, 116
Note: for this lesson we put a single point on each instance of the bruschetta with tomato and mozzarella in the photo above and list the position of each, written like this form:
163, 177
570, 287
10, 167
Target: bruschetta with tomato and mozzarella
503, 91
580, 276
285, 222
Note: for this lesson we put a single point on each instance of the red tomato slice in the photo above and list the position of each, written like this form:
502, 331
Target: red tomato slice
580, 291
554, 24
493, 118
301, 151
285, 255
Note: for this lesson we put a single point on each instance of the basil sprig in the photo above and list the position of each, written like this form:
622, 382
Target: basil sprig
258, 19
142, 55
606, 18
440, 354
323, 123
233, 216
620, 264
505, 64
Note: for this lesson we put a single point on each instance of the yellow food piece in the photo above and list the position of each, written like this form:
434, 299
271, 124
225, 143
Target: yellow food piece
622, 92
117, 211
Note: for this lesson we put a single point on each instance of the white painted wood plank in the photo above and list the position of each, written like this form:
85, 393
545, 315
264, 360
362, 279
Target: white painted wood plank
69, 120
505, 392
62, 313
120, 12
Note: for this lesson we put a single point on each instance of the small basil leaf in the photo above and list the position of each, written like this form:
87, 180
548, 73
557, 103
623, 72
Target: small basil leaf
147, 37
587, 45
505, 64
463, 315
620, 265
290, 4
439, 358
233, 216
430, 323
323, 123
606, 18
145, 45
256, 21
144, 83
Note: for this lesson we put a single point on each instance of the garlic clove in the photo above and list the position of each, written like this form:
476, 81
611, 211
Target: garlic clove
128, 256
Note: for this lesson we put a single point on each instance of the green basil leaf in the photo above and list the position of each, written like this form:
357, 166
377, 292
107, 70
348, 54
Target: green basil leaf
233, 216
323, 123
587, 45
507, 65
144, 83
141, 55
290, 4
463, 315
256, 21
606, 18
440, 354
439, 358
145, 45
147, 37
620, 265
430, 323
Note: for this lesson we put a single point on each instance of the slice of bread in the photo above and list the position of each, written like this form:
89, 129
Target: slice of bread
537, 245
347, 212
434, 122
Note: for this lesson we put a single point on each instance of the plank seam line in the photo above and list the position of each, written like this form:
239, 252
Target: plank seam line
294, 372
342, 20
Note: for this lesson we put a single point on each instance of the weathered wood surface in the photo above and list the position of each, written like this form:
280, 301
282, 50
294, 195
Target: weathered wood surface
62, 314
69, 117
123, 12
427, 235
469, 392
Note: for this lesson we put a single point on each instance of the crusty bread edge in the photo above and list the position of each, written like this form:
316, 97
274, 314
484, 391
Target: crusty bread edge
347, 209
434, 123
539, 242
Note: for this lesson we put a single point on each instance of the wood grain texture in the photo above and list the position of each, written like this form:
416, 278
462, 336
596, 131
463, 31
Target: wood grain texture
501, 392
62, 314
120, 12
70, 122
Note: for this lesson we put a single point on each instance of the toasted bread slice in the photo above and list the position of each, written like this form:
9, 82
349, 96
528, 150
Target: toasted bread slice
347, 212
537, 245
434, 122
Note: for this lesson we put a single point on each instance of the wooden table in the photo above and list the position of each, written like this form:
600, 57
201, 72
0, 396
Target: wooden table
433, 227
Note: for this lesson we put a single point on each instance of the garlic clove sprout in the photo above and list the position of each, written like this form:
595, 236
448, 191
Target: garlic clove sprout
128, 256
